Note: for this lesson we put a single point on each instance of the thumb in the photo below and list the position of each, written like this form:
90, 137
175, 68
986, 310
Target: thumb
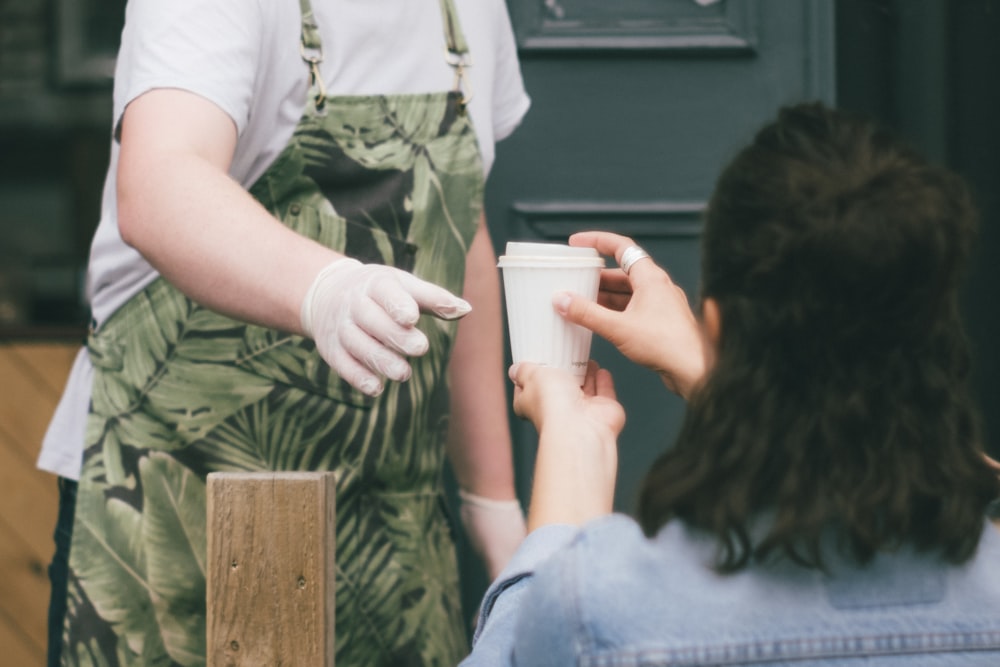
584, 312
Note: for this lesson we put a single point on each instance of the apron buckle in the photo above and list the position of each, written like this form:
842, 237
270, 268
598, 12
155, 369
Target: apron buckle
459, 61
315, 77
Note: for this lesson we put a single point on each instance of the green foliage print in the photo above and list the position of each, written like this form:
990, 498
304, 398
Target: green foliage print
143, 573
181, 391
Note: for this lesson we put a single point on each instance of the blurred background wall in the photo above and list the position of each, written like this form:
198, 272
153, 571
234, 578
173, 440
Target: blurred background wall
56, 63
56, 60
927, 67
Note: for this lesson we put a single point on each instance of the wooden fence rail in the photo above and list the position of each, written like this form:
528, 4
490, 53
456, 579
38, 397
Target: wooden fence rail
270, 569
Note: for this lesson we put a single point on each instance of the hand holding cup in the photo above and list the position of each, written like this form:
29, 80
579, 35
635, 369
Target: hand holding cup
643, 313
578, 427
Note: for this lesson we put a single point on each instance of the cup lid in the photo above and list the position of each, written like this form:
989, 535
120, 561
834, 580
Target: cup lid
548, 262
525, 248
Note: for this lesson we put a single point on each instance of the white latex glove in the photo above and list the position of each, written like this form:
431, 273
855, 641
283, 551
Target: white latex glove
495, 528
363, 318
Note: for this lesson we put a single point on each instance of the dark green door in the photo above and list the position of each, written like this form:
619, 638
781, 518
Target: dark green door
636, 105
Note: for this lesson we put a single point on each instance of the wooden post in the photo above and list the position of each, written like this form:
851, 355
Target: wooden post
271, 570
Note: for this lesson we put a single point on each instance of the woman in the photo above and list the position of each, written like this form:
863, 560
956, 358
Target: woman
826, 497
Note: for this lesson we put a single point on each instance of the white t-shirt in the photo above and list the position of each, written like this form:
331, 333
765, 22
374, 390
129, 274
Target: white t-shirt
244, 56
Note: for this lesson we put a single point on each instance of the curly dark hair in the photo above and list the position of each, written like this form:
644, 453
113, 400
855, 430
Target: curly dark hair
838, 403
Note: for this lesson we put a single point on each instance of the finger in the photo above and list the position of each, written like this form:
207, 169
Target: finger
517, 402
605, 243
614, 300
615, 280
374, 355
522, 372
377, 323
604, 384
431, 298
613, 245
394, 298
512, 373
578, 310
353, 373
640, 269
589, 380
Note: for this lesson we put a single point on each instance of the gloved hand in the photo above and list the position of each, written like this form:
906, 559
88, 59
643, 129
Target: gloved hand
363, 318
495, 528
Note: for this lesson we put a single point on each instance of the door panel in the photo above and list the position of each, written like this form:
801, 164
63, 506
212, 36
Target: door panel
636, 105
634, 24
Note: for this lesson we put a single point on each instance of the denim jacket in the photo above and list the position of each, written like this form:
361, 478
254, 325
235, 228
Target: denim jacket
606, 595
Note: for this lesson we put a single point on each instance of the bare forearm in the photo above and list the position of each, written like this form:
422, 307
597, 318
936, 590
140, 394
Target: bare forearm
574, 478
479, 442
198, 227
220, 247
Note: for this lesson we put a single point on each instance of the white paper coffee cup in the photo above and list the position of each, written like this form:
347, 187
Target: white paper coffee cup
532, 274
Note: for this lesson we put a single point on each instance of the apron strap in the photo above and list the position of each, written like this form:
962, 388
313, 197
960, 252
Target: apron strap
458, 51
453, 29
310, 30
311, 48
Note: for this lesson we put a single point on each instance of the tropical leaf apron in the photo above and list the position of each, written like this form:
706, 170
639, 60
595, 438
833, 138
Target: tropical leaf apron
181, 391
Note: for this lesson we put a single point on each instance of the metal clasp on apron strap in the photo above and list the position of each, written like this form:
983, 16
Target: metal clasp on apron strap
313, 58
459, 61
